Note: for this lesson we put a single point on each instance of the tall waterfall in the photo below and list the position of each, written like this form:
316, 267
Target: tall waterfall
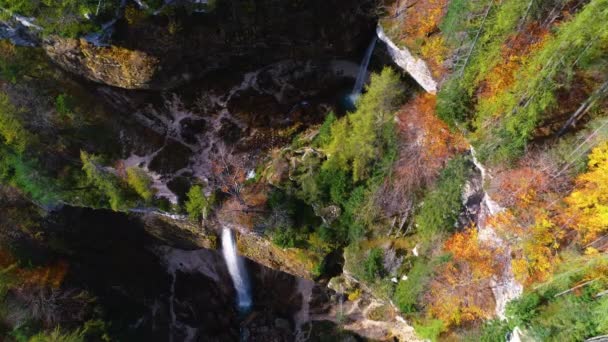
237, 270
362, 75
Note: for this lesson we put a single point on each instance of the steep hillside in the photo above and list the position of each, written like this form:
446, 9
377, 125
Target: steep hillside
461, 194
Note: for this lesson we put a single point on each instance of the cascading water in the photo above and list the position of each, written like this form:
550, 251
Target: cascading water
362, 75
237, 270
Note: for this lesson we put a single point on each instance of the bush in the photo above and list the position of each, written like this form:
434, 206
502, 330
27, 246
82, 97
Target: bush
430, 329
373, 265
324, 136
285, 237
520, 311
442, 205
25, 174
64, 105
198, 205
408, 291
141, 182
494, 330
453, 103
12, 131
108, 183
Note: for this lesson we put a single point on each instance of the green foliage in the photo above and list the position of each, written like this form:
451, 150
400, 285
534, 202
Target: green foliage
408, 291
360, 149
12, 130
358, 139
577, 44
285, 237
141, 182
454, 17
599, 315
198, 205
549, 313
64, 105
324, 136
7, 280
494, 330
572, 149
373, 265
520, 311
58, 335
65, 17
25, 174
442, 204
453, 102
107, 182
500, 24
568, 318
430, 329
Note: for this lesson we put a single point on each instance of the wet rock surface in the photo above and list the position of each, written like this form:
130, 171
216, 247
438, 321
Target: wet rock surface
153, 292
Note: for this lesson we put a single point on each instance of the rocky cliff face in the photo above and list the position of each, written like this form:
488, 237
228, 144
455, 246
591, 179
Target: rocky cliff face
415, 67
163, 52
112, 65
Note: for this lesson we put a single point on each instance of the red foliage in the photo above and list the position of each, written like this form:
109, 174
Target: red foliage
425, 145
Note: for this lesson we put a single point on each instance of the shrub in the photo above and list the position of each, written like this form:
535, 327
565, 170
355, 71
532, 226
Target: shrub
408, 291
198, 205
494, 330
372, 266
285, 237
64, 105
453, 103
12, 130
324, 136
442, 205
108, 183
521, 310
430, 329
141, 182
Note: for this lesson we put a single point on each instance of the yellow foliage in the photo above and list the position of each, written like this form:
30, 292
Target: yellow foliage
460, 291
587, 210
354, 295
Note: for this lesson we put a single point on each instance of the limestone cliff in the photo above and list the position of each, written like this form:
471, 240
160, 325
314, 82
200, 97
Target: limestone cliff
416, 67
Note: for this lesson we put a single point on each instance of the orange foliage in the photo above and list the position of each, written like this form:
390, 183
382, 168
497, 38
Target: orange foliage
422, 131
418, 27
246, 209
514, 53
461, 292
520, 185
425, 145
529, 223
51, 275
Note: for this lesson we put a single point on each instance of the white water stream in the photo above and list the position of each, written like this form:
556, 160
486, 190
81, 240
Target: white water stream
362, 74
237, 270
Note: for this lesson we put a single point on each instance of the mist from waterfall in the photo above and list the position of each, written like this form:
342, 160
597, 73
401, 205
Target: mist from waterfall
362, 75
237, 270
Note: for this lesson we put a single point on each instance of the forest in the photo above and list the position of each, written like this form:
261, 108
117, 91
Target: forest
476, 213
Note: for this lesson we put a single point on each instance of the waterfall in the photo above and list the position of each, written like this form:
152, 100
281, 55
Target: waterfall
236, 268
362, 75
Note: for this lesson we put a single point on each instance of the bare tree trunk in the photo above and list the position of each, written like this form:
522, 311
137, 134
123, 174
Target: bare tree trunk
574, 288
584, 108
